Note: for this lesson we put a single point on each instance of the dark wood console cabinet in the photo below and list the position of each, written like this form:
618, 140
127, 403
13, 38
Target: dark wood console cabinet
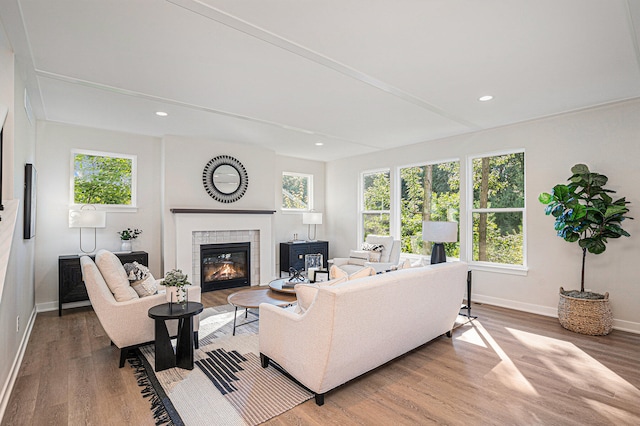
292, 254
70, 285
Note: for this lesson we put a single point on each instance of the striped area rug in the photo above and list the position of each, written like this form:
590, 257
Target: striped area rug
227, 385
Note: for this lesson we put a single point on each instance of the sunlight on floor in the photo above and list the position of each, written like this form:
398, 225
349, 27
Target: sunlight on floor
470, 335
506, 371
588, 377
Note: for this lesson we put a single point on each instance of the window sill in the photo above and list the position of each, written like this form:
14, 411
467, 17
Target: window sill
107, 208
500, 269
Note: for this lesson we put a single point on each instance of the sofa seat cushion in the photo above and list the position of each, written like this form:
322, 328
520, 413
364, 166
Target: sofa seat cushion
115, 276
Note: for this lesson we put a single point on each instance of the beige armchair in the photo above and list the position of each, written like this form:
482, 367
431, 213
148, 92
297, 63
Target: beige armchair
127, 323
389, 257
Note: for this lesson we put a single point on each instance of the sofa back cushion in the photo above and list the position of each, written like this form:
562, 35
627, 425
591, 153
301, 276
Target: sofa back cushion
115, 276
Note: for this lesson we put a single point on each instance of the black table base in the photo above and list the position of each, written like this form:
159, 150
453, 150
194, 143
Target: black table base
183, 355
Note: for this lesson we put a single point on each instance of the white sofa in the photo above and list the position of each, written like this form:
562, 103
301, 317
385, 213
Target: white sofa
127, 323
355, 326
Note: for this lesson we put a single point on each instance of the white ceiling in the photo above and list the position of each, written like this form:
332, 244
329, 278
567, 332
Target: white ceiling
357, 75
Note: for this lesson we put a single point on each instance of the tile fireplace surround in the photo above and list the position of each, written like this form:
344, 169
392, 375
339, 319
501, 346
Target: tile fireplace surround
193, 228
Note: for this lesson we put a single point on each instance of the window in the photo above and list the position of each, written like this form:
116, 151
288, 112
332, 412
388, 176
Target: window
497, 209
376, 200
103, 178
297, 191
428, 192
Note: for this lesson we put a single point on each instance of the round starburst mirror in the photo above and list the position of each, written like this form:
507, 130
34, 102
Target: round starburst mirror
225, 179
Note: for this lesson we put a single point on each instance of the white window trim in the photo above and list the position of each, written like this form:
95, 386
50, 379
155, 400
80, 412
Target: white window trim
361, 209
106, 207
491, 266
310, 205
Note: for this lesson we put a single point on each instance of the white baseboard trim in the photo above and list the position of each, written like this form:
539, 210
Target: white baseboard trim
518, 306
15, 368
53, 306
631, 327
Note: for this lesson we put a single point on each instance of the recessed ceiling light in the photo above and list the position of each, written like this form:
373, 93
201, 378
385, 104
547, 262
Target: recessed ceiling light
161, 114
319, 144
485, 98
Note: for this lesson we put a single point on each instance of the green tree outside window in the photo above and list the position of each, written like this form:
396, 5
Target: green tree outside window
429, 192
498, 209
103, 179
296, 191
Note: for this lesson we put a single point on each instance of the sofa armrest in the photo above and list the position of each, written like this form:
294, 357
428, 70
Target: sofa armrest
299, 343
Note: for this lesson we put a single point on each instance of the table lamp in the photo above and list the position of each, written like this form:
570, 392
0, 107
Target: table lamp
87, 217
439, 233
311, 218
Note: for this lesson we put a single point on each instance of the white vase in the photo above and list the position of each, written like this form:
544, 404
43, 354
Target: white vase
176, 294
126, 245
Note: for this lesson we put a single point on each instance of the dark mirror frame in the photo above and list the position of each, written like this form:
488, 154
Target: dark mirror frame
210, 187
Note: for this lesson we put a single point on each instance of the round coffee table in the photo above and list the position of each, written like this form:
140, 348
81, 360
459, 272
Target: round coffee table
251, 299
276, 285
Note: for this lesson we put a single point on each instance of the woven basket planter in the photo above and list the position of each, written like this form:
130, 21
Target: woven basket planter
585, 316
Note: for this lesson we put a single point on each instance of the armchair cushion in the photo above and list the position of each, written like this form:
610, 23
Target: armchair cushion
115, 276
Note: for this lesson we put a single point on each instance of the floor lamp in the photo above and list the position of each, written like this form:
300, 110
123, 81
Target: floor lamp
439, 233
87, 217
311, 218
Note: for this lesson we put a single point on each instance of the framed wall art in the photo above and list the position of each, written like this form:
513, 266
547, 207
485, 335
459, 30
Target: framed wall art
30, 176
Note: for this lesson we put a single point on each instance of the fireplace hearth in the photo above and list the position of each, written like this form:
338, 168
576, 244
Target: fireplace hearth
225, 265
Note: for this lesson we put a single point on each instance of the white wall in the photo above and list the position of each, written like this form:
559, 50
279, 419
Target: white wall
18, 289
604, 138
54, 237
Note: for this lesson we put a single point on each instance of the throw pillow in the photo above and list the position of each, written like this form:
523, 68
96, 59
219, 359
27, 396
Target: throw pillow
404, 265
336, 272
365, 272
372, 247
145, 287
358, 257
374, 256
385, 241
333, 282
115, 276
305, 294
136, 271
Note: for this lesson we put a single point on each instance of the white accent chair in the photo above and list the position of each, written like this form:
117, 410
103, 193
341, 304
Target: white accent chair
389, 257
127, 323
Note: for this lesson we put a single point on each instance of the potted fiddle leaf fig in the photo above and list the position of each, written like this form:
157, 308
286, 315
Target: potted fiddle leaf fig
585, 213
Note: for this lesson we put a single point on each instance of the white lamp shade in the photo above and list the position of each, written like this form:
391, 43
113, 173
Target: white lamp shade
440, 232
87, 219
312, 218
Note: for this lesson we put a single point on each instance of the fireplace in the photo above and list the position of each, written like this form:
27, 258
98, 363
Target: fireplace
226, 265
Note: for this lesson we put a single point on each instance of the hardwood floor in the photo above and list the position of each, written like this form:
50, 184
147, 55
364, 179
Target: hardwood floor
506, 367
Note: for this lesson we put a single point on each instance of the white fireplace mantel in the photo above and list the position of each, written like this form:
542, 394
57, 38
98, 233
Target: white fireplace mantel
188, 221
